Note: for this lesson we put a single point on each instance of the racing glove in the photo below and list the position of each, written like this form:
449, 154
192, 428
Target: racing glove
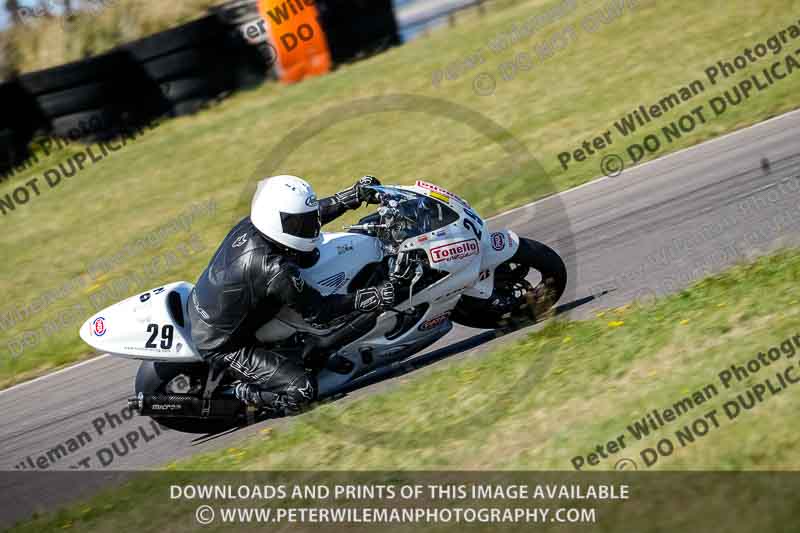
373, 298
352, 197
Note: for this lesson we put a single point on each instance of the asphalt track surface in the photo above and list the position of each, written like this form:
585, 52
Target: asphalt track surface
721, 196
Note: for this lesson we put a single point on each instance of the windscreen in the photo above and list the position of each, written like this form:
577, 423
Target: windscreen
414, 213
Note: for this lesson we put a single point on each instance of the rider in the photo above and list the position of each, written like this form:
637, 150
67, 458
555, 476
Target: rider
256, 271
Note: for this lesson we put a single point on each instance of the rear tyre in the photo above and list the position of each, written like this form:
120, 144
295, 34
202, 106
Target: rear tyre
529, 302
153, 377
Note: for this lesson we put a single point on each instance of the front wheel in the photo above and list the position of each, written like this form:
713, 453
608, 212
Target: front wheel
517, 297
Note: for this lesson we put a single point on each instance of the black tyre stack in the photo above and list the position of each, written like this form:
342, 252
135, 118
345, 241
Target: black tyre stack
175, 72
93, 98
358, 28
196, 62
19, 121
185, 63
257, 60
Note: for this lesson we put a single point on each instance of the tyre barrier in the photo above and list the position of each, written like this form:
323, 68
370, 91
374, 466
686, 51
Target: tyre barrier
172, 73
243, 16
19, 121
375, 31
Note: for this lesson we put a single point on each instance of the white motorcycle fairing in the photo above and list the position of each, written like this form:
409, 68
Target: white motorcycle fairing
341, 257
151, 326
459, 249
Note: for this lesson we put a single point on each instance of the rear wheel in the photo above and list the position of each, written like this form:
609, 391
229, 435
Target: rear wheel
153, 378
521, 299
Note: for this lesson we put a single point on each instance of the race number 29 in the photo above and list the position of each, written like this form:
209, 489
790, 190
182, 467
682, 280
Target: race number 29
167, 334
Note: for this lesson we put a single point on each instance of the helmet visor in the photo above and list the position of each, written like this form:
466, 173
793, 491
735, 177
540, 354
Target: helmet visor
305, 225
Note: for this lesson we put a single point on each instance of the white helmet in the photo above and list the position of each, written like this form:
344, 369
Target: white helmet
285, 209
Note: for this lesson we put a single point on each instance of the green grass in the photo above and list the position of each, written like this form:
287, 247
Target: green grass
216, 155
591, 379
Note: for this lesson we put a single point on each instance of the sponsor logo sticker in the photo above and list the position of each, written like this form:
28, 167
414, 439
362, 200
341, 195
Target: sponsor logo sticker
439, 196
498, 241
434, 322
240, 240
455, 251
166, 407
440, 190
99, 327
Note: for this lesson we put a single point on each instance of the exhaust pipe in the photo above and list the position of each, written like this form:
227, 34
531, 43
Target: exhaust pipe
135, 404
183, 406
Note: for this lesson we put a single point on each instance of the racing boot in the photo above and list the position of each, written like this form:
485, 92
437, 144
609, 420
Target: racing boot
293, 400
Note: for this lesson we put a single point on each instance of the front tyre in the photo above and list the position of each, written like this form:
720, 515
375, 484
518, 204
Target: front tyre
519, 298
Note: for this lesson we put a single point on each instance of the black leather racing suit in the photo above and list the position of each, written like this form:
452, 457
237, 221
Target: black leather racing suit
249, 279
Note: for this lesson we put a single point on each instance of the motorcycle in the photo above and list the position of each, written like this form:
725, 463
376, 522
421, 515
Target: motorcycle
448, 266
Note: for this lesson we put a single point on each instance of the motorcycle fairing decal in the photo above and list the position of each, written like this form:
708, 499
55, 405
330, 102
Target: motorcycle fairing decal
335, 281
440, 197
333, 270
455, 251
498, 241
434, 322
99, 326
441, 190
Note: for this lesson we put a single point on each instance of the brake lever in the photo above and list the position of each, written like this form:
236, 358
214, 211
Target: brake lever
418, 273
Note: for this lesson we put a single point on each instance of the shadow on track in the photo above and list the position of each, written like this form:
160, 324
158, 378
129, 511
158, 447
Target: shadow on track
412, 364
415, 363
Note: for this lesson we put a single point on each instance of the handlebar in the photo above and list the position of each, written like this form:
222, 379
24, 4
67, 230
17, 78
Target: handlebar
367, 227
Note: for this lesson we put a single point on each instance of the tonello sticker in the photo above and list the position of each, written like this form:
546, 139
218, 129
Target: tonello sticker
454, 251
